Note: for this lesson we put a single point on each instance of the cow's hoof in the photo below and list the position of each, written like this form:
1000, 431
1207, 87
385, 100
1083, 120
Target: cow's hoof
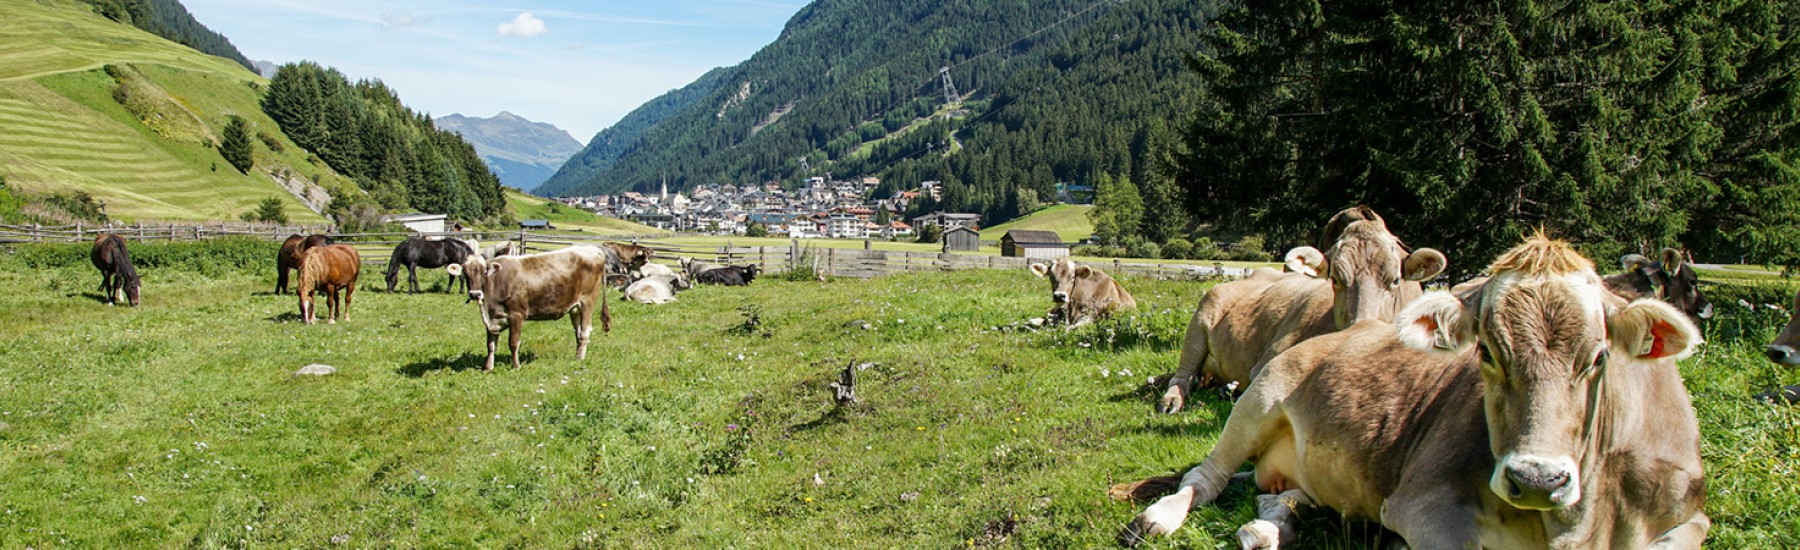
1158, 520
1259, 535
1171, 402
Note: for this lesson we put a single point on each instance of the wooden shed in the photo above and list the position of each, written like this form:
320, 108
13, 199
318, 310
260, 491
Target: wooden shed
1025, 243
961, 239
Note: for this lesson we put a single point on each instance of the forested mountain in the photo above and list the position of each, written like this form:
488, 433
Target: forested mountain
398, 156
853, 87
521, 152
608, 145
169, 19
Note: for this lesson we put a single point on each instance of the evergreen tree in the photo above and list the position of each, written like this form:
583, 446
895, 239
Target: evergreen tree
235, 144
1118, 210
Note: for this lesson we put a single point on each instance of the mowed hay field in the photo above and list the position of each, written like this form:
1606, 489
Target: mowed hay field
178, 423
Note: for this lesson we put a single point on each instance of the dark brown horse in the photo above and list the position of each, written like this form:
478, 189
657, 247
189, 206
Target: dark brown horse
289, 257
116, 272
328, 268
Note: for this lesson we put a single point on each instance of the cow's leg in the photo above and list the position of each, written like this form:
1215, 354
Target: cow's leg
1254, 419
1432, 517
493, 343
1686, 536
512, 338
1276, 522
1194, 347
583, 319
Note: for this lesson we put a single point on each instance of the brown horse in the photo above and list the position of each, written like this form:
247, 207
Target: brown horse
328, 268
289, 257
116, 271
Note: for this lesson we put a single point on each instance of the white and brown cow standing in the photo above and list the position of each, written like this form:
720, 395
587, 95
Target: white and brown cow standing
1364, 273
539, 287
1537, 410
1082, 294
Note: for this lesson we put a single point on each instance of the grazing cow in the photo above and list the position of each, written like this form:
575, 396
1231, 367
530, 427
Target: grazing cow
1783, 352
538, 287
328, 268
117, 275
1082, 294
1365, 273
1537, 411
416, 252
731, 275
659, 288
289, 257
1671, 279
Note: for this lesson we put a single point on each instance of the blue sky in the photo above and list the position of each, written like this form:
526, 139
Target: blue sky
578, 65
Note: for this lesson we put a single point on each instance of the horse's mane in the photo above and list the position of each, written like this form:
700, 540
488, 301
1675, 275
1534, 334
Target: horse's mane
312, 268
1541, 255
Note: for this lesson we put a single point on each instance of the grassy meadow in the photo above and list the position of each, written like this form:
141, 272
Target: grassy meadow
179, 423
1069, 221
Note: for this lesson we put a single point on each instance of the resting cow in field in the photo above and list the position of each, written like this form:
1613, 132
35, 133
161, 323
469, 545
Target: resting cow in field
538, 287
1082, 294
1673, 279
328, 269
289, 257
693, 267
1785, 351
1365, 273
117, 275
1537, 411
731, 275
659, 288
415, 252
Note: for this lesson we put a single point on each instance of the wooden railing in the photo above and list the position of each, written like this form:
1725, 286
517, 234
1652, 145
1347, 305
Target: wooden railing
375, 248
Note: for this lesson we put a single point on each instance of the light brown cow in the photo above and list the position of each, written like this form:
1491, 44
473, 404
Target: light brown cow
1785, 350
1082, 294
1366, 273
538, 287
1537, 411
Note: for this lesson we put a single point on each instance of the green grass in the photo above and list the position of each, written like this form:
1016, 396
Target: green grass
1069, 221
178, 423
527, 207
64, 131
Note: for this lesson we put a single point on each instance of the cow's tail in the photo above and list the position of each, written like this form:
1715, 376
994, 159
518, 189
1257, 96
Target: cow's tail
605, 310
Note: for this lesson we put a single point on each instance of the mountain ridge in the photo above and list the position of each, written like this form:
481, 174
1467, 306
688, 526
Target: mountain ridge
522, 152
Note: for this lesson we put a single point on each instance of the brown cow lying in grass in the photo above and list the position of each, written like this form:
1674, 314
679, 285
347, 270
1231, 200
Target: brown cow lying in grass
1536, 411
1365, 273
1082, 294
328, 269
539, 287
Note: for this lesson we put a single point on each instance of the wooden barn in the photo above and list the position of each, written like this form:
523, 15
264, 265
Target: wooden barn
961, 239
1025, 243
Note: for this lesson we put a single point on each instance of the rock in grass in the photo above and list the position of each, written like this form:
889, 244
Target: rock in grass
315, 369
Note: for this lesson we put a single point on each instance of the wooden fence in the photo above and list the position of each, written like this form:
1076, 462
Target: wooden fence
375, 248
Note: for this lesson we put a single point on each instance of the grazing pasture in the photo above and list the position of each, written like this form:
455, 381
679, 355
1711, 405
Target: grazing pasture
707, 422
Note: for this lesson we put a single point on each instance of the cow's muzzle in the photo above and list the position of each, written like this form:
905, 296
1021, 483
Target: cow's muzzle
1782, 354
1537, 483
474, 296
1060, 297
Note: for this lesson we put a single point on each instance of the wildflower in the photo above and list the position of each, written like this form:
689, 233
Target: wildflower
732, 427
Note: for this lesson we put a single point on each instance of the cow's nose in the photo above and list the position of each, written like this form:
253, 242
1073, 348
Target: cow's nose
1781, 354
1534, 485
1060, 297
1706, 311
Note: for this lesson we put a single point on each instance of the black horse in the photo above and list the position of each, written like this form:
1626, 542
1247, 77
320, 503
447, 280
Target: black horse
417, 252
116, 271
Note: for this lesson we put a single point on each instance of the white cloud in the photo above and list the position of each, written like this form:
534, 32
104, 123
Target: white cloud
400, 20
525, 25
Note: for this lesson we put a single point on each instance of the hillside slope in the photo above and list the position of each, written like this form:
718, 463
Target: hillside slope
149, 157
604, 150
522, 152
1069, 221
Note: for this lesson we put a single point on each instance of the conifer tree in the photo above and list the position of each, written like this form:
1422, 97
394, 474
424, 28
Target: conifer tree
235, 144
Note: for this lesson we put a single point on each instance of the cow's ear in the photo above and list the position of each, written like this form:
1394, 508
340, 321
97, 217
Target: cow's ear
1423, 264
1652, 329
1040, 269
1304, 260
1671, 261
1082, 271
1437, 321
455, 270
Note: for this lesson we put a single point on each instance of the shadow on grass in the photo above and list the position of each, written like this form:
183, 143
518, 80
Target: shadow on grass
285, 317
466, 361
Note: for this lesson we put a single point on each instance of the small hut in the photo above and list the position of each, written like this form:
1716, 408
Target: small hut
1025, 243
961, 239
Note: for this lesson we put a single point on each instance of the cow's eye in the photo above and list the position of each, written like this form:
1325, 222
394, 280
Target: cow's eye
1487, 358
1600, 360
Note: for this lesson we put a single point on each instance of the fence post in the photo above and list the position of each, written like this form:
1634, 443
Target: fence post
793, 253
865, 244
140, 230
37, 233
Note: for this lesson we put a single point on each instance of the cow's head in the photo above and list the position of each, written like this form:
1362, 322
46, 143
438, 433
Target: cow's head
1372, 274
1548, 333
1063, 274
630, 256
1785, 350
750, 272
1673, 279
478, 271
